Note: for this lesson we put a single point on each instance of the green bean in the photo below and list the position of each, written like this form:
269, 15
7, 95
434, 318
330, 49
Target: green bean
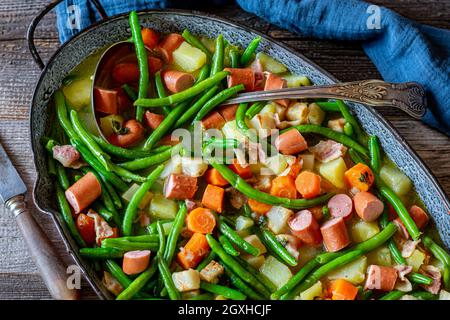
364, 294
112, 192
255, 109
241, 185
247, 210
258, 275
161, 91
62, 176
402, 212
375, 155
424, 295
51, 165
130, 92
131, 210
224, 291
66, 214
194, 108
393, 295
141, 54
216, 100
356, 156
102, 211
127, 175
235, 238
168, 281
203, 74
235, 266
86, 138
296, 279
219, 145
420, 278
326, 132
164, 126
323, 271
218, 57
203, 296
328, 106
184, 95
277, 249
365, 246
195, 42
142, 238
61, 113
162, 238
348, 129
241, 285
210, 257
139, 282
143, 163
326, 212
119, 151
111, 243
437, 251
101, 253
234, 57
174, 234
227, 246
349, 118
116, 271
249, 51
395, 252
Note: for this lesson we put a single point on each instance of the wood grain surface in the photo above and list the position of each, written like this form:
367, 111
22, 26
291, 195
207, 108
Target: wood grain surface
18, 75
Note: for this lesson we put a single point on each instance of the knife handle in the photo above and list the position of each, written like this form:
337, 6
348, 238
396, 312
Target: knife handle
50, 265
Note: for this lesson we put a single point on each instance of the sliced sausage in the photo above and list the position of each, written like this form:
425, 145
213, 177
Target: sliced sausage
367, 206
154, 64
274, 82
169, 140
153, 120
180, 187
135, 262
134, 134
228, 112
213, 121
150, 37
381, 278
291, 142
83, 192
168, 45
401, 229
245, 76
126, 72
419, 216
305, 227
335, 235
110, 101
177, 81
341, 205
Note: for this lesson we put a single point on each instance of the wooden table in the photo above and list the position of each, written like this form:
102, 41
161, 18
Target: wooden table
18, 75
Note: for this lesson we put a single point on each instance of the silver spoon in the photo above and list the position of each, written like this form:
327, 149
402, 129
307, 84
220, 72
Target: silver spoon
409, 96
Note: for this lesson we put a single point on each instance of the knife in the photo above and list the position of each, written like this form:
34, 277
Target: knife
50, 265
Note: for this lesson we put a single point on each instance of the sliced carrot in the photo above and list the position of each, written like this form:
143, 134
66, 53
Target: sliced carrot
258, 207
86, 227
126, 72
284, 186
201, 220
360, 177
308, 184
150, 38
154, 64
213, 198
245, 76
213, 121
343, 290
243, 172
295, 168
194, 251
228, 112
153, 120
214, 177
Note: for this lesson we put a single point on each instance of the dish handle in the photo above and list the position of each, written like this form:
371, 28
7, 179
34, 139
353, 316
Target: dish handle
34, 23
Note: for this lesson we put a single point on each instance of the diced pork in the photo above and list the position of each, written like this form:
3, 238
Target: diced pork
328, 150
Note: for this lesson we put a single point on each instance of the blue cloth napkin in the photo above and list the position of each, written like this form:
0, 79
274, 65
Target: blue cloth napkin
401, 49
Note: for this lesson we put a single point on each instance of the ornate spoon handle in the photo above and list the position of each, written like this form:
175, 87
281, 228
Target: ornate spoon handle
409, 96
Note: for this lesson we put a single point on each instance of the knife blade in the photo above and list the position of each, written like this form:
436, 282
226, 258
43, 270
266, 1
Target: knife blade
11, 184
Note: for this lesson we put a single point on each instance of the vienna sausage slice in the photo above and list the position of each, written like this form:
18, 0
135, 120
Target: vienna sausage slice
180, 187
168, 45
245, 76
125, 72
83, 192
291, 142
367, 206
213, 121
335, 235
228, 112
135, 262
341, 205
381, 278
110, 101
305, 227
153, 120
274, 82
177, 81
419, 216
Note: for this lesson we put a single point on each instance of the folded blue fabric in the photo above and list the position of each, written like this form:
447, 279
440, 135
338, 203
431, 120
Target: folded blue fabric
401, 49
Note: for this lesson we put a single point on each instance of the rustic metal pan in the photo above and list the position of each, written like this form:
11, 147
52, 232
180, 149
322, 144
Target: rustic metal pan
114, 29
